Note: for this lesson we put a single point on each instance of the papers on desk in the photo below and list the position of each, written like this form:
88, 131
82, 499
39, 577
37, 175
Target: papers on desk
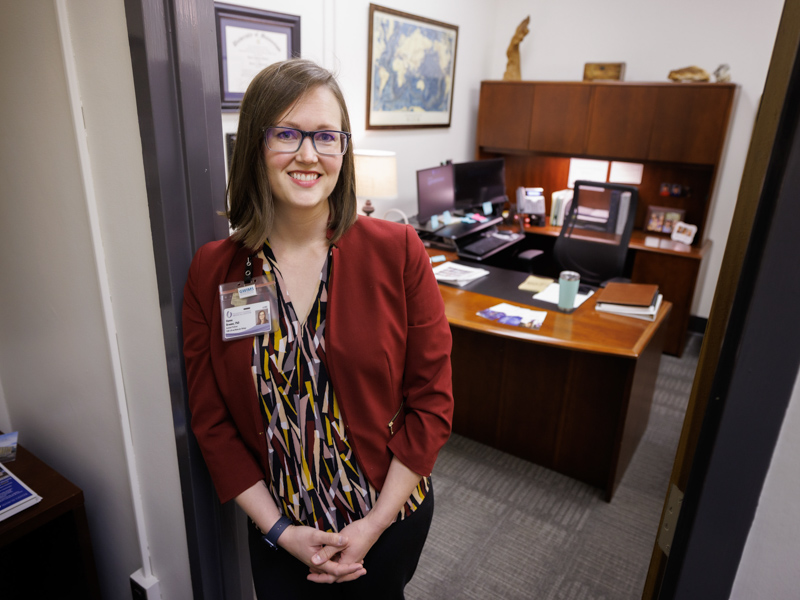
508, 314
456, 274
14, 495
535, 284
550, 294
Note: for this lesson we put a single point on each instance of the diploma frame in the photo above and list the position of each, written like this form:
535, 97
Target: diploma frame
377, 119
271, 25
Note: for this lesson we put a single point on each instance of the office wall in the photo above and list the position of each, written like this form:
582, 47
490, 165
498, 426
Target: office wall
768, 568
338, 40
56, 361
653, 38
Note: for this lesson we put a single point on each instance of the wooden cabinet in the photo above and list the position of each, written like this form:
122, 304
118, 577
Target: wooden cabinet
690, 123
507, 120
682, 123
559, 116
621, 120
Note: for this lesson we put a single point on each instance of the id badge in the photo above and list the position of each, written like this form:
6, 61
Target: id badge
247, 309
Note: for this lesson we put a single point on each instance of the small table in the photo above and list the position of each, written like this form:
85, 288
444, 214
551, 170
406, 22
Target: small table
45, 550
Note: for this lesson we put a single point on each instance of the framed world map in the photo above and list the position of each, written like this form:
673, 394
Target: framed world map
412, 65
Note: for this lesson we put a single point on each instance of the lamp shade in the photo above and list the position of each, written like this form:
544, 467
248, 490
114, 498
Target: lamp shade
376, 174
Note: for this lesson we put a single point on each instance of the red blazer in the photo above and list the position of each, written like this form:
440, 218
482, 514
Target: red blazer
387, 351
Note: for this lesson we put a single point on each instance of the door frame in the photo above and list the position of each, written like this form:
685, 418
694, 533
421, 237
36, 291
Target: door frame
174, 57
749, 361
173, 54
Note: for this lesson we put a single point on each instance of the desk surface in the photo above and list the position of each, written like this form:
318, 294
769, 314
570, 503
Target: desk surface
641, 240
585, 329
58, 494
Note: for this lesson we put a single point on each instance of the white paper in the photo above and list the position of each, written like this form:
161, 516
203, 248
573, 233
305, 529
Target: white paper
587, 169
248, 51
550, 294
457, 274
625, 172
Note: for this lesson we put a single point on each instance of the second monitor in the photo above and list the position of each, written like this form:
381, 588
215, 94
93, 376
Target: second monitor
478, 182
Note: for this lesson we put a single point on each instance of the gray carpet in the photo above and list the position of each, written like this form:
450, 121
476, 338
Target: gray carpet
505, 528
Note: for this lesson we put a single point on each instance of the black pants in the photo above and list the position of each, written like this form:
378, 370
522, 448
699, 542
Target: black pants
390, 564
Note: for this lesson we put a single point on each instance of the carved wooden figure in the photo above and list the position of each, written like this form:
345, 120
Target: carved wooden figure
513, 72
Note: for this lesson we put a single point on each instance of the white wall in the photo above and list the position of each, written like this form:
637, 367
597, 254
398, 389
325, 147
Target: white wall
56, 360
653, 38
768, 568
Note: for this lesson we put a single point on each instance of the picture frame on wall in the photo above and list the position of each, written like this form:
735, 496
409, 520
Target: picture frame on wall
248, 40
411, 70
660, 219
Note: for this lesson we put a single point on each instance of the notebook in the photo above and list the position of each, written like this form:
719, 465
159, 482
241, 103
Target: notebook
628, 294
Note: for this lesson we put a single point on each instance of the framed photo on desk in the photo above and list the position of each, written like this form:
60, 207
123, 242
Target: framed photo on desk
662, 220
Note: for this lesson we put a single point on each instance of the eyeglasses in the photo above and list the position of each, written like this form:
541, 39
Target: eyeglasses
287, 139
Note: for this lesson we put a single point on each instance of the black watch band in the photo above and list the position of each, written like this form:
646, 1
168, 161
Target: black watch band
272, 536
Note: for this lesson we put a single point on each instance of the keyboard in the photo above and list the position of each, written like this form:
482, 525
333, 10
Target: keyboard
485, 245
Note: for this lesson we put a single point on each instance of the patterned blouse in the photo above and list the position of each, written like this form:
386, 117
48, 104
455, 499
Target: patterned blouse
315, 479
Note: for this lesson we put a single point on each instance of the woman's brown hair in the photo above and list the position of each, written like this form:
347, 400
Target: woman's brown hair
271, 93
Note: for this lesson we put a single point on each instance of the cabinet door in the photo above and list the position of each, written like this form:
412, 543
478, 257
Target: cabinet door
690, 122
504, 116
559, 118
622, 117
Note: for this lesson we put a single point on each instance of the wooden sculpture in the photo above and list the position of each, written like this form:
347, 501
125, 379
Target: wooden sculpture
513, 72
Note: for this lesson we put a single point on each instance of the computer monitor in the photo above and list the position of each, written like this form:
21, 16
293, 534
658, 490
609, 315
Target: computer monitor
435, 191
480, 181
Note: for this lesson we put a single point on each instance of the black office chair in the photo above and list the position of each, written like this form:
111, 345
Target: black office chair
596, 232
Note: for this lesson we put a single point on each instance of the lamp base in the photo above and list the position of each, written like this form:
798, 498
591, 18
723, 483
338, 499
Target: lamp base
368, 209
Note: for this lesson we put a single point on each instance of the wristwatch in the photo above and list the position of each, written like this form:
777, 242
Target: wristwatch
272, 536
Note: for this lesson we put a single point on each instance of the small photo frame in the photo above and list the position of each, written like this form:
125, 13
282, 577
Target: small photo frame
660, 219
249, 40
684, 233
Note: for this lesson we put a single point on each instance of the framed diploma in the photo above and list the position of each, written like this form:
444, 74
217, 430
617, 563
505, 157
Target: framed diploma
249, 40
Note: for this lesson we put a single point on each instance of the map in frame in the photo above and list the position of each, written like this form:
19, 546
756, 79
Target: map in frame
412, 63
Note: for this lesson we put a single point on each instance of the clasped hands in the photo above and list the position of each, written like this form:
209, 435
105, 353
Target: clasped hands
332, 557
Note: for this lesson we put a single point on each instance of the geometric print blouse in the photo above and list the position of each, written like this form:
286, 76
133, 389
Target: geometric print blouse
315, 478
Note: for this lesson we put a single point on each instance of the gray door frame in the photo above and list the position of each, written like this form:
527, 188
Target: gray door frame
174, 57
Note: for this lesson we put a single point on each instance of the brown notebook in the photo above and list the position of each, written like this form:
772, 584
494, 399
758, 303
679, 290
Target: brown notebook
628, 294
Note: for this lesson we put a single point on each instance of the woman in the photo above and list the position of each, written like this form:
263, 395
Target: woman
325, 430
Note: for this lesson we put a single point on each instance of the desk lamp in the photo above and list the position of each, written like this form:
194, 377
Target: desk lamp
376, 178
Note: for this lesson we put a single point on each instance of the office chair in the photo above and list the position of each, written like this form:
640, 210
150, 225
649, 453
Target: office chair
596, 232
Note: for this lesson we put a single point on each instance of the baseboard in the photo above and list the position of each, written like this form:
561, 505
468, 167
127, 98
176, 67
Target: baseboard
697, 324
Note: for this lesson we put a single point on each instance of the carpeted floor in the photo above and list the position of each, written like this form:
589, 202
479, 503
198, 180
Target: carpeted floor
507, 529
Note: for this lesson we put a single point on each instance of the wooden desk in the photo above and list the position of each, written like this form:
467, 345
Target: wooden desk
45, 550
671, 265
574, 396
